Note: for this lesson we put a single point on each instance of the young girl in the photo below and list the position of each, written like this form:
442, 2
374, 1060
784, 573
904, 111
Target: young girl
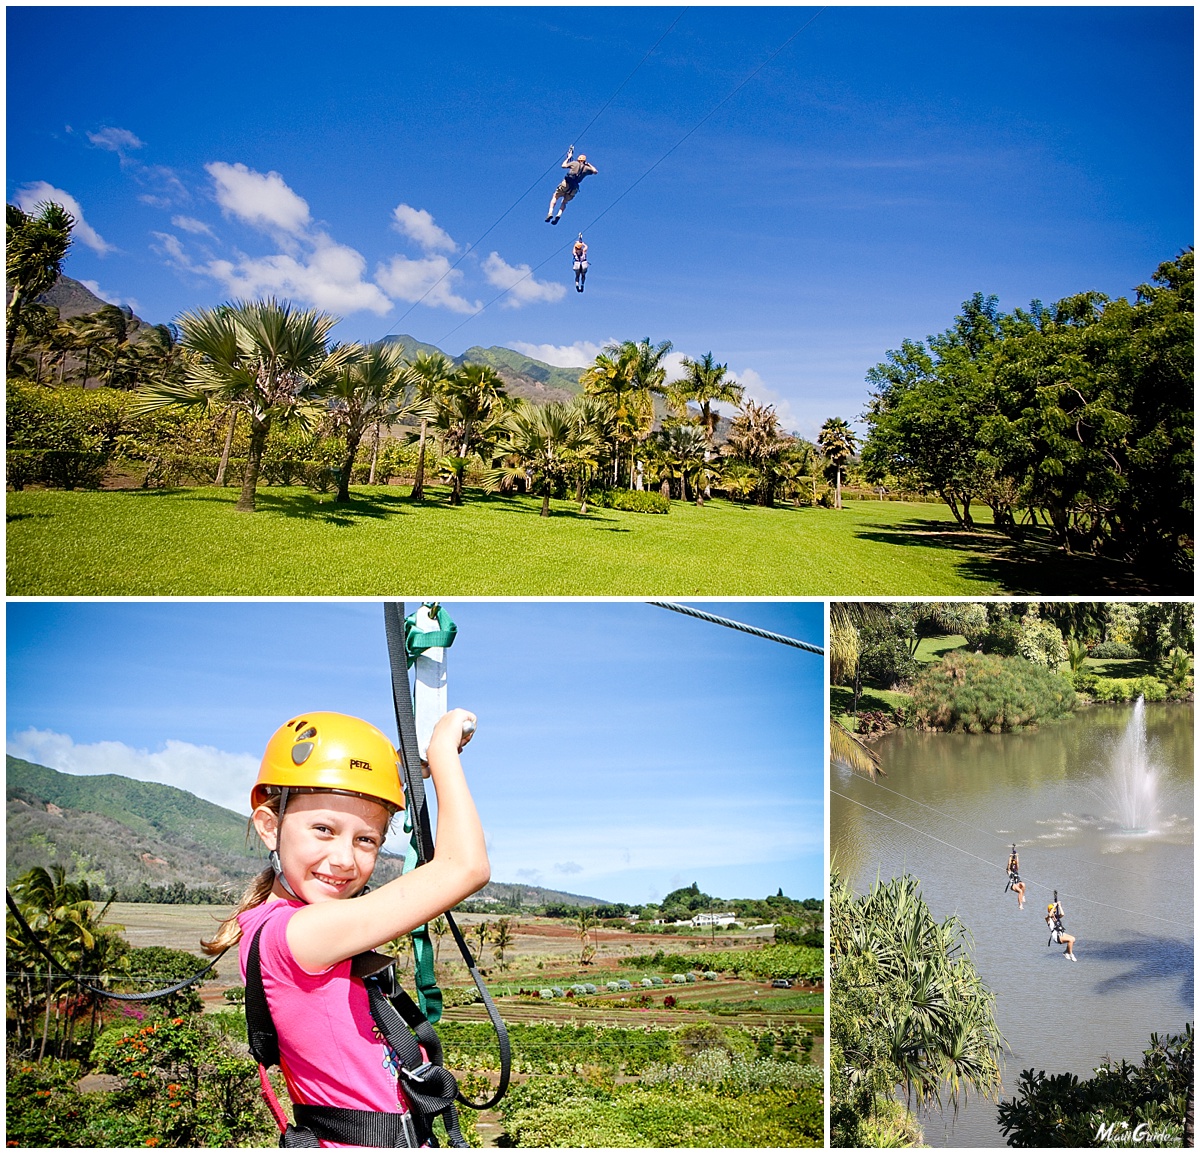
326, 791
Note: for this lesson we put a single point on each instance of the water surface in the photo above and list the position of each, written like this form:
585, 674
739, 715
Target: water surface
1048, 791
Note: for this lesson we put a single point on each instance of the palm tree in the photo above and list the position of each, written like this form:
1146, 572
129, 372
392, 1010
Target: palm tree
585, 920
432, 372
704, 383
114, 324
838, 443
34, 249
754, 436
550, 440
89, 335
844, 649
368, 387
63, 916
502, 939
907, 1006
264, 358
471, 398
611, 377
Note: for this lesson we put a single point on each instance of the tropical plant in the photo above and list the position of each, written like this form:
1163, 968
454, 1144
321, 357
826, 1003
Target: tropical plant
704, 381
368, 388
837, 442
754, 437
35, 246
585, 922
264, 358
468, 414
908, 1010
431, 373
550, 441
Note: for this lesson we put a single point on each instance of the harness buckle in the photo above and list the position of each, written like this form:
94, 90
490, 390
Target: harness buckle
411, 1139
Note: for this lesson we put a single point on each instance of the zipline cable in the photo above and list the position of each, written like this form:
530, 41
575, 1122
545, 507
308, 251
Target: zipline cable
475, 244
695, 128
997, 837
993, 865
781, 638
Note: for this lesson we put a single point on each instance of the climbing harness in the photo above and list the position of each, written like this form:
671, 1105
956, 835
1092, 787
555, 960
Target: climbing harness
580, 262
429, 1088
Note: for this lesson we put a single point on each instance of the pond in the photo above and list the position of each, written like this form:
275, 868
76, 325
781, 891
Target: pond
1056, 791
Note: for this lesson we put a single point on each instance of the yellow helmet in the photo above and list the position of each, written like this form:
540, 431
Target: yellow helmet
1050, 908
330, 751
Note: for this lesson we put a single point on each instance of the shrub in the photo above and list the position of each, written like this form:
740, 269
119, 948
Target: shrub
1129, 689
977, 693
679, 979
1113, 650
631, 501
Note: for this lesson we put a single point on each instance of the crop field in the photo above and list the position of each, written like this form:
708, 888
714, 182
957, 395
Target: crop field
652, 1065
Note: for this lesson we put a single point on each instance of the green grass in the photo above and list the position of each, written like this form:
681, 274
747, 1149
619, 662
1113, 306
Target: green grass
191, 541
841, 698
1120, 667
931, 649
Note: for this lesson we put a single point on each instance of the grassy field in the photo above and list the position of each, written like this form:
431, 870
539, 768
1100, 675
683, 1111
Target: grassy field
190, 541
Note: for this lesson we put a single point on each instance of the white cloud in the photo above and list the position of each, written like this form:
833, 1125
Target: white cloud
417, 224
330, 277
261, 201
519, 280
118, 140
30, 196
191, 224
411, 280
171, 247
111, 297
210, 773
757, 391
576, 356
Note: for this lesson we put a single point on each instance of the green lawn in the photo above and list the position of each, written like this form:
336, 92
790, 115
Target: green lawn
190, 541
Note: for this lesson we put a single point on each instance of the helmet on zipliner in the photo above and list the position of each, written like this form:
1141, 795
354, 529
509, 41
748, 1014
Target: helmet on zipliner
330, 752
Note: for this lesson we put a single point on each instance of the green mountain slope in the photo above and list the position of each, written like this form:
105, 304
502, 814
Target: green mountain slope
145, 807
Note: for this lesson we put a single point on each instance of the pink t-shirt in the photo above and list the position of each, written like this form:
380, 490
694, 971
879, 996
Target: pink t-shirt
330, 1051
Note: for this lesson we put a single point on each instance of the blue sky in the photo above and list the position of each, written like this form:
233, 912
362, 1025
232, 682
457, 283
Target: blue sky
623, 750
882, 167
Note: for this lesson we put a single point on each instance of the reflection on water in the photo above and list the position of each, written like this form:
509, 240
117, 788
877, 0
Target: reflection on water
1128, 899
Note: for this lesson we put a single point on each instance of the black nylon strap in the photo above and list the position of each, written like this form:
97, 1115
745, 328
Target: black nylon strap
357, 1127
414, 793
261, 1035
32, 938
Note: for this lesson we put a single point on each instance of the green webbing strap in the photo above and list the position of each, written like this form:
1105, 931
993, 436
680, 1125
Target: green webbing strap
416, 641
429, 994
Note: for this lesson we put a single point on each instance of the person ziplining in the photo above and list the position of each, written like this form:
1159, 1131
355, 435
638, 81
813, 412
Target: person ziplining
1054, 922
1014, 878
579, 258
577, 169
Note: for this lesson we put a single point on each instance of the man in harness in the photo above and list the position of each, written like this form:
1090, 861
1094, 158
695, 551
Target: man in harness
1054, 921
577, 169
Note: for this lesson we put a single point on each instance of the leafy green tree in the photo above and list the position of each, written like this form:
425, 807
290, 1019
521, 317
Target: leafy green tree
35, 246
502, 941
908, 1010
264, 358
1121, 1105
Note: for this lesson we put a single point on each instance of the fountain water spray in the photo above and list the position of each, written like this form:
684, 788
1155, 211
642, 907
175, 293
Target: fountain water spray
1133, 781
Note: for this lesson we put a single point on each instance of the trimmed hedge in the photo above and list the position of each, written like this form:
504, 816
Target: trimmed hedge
631, 501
